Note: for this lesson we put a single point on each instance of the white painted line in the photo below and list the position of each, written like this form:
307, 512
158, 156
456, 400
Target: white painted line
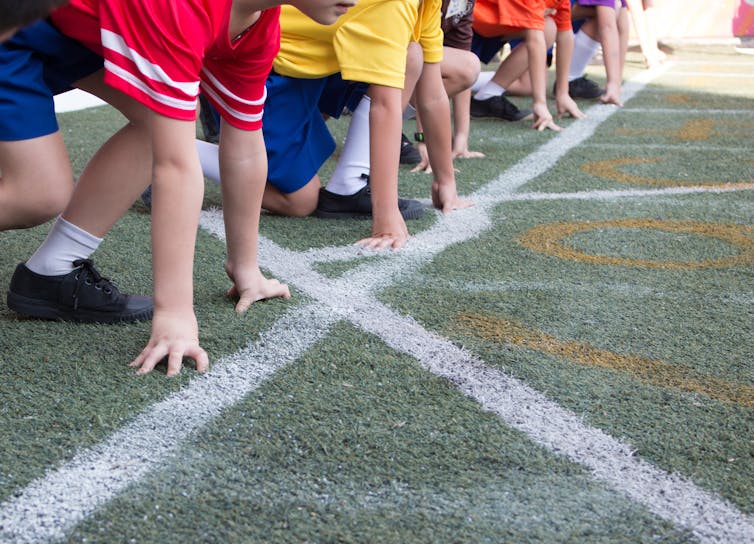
711, 74
674, 147
687, 111
611, 461
633, 193
50, 507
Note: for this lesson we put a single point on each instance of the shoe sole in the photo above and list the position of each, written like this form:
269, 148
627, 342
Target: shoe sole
39, 309
408, 214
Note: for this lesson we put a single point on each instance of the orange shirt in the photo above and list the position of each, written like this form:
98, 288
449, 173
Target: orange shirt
498, 17
562, 15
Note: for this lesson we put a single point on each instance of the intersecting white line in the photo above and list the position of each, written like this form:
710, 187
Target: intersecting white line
51, 506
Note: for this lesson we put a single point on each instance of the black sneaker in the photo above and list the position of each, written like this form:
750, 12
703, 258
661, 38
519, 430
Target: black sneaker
581, 87
409, 154
498, 107
359, 205
82, 295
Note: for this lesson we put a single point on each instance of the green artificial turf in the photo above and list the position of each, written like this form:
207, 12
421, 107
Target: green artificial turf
639, 321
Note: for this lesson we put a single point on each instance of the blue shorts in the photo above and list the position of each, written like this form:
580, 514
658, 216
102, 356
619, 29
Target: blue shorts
296, 136
36, 64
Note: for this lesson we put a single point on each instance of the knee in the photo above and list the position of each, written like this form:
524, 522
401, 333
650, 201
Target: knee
29, 206
471, 69
299, 203
47, 205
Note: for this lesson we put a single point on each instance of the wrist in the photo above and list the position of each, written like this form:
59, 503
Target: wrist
419, 137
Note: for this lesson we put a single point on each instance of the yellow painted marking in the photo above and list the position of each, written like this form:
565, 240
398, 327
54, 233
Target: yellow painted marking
679, 98
697, 130
692, 131
609, 169
548, 239
647, 370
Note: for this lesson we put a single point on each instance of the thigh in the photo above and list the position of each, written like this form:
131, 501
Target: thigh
133, 110
20, 165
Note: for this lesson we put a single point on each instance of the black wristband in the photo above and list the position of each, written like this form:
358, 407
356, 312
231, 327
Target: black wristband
419, 137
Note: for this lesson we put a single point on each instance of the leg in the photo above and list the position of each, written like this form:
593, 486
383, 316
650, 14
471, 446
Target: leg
33, 191
299, 203
460, 70
118, 172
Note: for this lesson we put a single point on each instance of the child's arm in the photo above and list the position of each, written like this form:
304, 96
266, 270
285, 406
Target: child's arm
434, 110
537, 55
462, 127
607, 23
385, 124
243, 167
564, 51
177, 189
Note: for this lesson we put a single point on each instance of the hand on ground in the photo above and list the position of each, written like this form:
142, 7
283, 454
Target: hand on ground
390, 233
175, 335
611, 96
466, 154
445, 198
252, 286
423, 165
567, 105
543, 118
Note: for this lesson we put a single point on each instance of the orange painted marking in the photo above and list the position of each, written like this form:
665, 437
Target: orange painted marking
651, 371
549, 238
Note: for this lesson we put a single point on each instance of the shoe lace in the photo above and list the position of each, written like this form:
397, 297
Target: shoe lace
88, 275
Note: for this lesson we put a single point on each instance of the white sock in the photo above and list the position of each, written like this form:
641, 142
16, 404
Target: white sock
210, 159
489, 90
64, 244
354, 160
584, 49
482, 80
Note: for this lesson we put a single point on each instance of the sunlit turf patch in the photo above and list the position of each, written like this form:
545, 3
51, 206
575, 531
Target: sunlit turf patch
652, 371
552, 240
354, 443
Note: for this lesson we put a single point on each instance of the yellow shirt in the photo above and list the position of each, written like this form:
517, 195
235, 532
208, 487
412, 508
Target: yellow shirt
367, 44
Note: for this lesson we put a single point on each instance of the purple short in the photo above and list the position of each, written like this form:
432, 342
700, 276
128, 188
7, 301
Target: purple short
608, 3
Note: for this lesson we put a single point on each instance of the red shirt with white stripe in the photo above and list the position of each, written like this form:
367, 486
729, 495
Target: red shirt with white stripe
161, 51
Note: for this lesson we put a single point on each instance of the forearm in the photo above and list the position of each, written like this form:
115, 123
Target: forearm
385, 125
537, 53
608, 31
564, 48
243, 166
177, 190
461, 115
434, 108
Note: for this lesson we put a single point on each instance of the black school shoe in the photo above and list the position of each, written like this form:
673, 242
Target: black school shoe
409, 154
498, 107
582, 87
359, 206
82, 295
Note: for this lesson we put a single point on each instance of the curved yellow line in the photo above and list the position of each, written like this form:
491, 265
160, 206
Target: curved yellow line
651, 371
548, 239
